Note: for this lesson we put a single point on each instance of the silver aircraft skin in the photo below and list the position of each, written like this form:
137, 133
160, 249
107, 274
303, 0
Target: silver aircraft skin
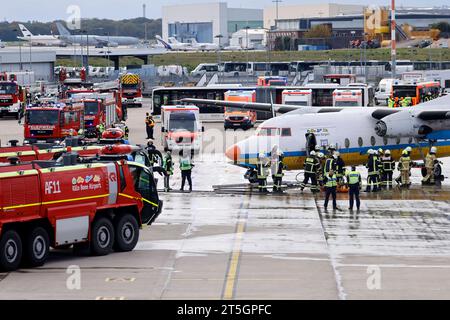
95, 40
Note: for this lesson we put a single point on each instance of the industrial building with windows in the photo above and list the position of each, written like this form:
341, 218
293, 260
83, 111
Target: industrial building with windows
288, 32
204, 22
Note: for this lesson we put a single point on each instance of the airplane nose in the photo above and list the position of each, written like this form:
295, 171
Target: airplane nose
233, 153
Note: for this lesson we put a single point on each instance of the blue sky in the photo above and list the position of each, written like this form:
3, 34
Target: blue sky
48, 10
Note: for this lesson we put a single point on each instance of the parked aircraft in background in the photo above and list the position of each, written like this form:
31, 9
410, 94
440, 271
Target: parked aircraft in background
92, 39
40, 40
174, 45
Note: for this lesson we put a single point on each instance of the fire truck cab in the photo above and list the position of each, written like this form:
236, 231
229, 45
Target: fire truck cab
96, 206
131, 89
347, 98
297, 97
235, 118
53, 123
181, 127
265, 81
12, 96
98, 108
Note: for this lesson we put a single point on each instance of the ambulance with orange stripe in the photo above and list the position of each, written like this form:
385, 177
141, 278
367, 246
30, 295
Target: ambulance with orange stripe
96, 206
181, 128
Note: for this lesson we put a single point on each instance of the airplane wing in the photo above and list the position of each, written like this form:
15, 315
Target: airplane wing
256, 106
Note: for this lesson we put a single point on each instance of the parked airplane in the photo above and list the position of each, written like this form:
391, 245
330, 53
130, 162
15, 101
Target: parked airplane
173, 45
40, 40
91, 39
205, 46
353, 130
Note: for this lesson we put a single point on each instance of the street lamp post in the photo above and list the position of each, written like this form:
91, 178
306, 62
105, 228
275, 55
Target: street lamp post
31, 65
20, 52
219, 58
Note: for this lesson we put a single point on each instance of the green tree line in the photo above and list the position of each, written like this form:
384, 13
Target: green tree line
128, 27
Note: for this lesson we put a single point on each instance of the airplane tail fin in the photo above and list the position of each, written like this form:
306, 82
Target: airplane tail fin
165, 44
193, 41
25, 31
173, 40
62, 31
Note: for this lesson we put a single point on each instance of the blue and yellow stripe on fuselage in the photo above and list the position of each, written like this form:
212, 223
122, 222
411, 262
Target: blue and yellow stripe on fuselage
353, 156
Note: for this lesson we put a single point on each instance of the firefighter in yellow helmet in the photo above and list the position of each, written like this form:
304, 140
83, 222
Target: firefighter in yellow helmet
429, 166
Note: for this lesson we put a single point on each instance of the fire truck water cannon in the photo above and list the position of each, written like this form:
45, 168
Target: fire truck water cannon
97, 206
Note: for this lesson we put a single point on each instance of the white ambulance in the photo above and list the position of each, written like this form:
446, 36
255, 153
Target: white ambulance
181, 128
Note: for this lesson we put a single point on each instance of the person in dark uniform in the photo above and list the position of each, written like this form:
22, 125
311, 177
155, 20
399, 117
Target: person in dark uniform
354, 183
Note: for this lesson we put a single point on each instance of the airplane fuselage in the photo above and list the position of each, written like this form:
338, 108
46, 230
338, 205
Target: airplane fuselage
352, 132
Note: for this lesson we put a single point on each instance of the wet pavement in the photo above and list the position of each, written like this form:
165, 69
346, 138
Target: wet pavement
249, 246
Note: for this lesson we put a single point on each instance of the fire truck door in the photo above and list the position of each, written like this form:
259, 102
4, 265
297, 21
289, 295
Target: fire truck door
146, 186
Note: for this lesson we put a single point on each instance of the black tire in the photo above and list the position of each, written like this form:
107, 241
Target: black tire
437, 170
102, 237
36, 247
10, 250
126, 229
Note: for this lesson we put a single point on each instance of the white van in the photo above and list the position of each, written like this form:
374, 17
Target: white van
384, 91
202, 68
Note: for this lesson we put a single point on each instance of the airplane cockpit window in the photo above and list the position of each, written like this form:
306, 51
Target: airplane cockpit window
269, 132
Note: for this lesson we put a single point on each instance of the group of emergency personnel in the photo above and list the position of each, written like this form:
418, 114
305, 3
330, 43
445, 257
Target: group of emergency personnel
185, 162
329, 172
399, 102
275, 165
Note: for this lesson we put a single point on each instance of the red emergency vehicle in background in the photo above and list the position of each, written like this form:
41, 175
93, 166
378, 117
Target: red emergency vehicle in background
235, 118
97, 206
265, 81
130, 85
12, 96
53, 123
99, 108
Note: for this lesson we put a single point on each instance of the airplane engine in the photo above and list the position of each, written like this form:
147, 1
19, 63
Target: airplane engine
113, 44
406, 124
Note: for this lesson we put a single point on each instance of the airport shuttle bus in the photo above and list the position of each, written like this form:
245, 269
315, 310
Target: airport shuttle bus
321, 95
418, 92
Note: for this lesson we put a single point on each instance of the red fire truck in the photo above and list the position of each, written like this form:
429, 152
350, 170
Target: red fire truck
12, 96
53, 123
97, 206
99, 108
131, 89
15, 153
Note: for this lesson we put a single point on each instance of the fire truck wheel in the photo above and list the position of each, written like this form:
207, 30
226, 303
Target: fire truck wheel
127, 233
10, 251
102, 237
36, 247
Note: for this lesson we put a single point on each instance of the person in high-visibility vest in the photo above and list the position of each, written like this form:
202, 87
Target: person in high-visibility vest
186, 169
354, 183
168, 167
149, 125
277, 168
391, 103
429, 165
262, 172
100, 129
330, 181
311, 166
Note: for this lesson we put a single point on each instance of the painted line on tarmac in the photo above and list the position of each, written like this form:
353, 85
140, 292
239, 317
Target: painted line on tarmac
337, 276
231, 278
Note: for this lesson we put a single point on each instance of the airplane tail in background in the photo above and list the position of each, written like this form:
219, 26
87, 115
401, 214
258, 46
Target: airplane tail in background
62, 31
193, 41
173, 40
165, 44
25, 31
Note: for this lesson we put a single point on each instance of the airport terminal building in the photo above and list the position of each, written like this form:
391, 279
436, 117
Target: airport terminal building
185, 22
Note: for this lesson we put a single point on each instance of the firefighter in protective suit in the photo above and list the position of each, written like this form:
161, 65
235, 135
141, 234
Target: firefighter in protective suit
404, 166
262, 172
388, 167
319, 172
373, 172
311, 167
277, 168
429, 165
